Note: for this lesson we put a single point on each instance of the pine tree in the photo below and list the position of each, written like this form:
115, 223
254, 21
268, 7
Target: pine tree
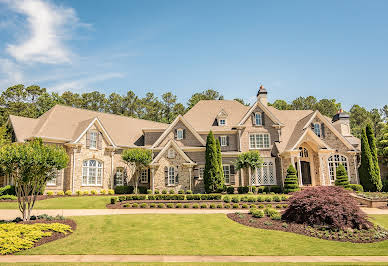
373, 150
367, 170
221, 180
212, 171
341, 177
291, 181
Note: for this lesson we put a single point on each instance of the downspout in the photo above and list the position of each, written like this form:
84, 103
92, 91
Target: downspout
72, 173
111, 169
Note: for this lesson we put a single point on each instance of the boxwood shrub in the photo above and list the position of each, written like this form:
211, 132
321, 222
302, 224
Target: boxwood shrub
195, 206
186, 205
203, 206
356, 187
227, 199
212, 206
121, 198
170, 205
142, 190
178, 205
113, 200
152, 205
123, 189
135, 205
235, 206
230, 190
193, 197
257, 213
243, 190
219, 206
189, 192
235, 199
227, 206
161, 205
143, 205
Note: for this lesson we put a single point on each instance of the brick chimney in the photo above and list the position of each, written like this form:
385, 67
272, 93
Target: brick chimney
262, 95
341, 122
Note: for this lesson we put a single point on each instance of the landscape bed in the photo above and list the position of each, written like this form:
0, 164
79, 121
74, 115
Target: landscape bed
375, 234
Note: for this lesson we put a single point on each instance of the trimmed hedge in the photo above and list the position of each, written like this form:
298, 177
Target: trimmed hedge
8, 190
356, 187
230, 190
124, 189
243, 190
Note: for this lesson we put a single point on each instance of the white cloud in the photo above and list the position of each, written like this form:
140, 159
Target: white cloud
48, 26
10, 73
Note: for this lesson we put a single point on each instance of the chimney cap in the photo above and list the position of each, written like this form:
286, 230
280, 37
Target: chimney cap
262, 90
340, 115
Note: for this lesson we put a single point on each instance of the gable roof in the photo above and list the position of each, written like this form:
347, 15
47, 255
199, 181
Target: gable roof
172, 125
99, 125
264, 109
22, 126
66, 123
177, 148
202, 116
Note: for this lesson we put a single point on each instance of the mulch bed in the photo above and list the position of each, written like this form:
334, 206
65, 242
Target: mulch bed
54, 235
357, 236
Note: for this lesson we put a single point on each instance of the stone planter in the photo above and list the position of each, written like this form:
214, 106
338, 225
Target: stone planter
371, 203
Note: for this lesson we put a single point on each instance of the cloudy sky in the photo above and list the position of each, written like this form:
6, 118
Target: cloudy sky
294, 48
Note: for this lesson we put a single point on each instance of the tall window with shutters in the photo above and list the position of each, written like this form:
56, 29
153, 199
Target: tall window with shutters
226, 169
144, 176
119, 176
171, 175
258, 120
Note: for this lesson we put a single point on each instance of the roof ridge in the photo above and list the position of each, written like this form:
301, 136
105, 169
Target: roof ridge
45, 118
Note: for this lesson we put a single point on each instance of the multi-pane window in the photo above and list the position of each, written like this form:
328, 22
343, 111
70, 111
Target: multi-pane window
92, 173
226, 173
224, 141
119, 177
222, 122
179, 134
201, 172
144, 176
171, 153
258, 119
303, 152
334, 161
93, 140
171, 175
264, 175
53, 181
259, 141
317, 129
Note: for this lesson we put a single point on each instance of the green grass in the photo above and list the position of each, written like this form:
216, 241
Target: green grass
197, 234
83, 202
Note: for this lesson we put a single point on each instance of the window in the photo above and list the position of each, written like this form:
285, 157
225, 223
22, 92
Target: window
259, 141
119, 177
303, 152
334, 161
317, 129
93, 140
144, 176
171, 176
171, 153
226, 173
179, 134
201, 172
53, 181
222, 122
92, 173
224, 141
265, 175
258, 119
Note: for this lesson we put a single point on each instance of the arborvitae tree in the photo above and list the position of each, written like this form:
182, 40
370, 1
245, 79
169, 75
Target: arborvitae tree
212, 167
221, 182
341, 177
366, 170
291, 183
373, 150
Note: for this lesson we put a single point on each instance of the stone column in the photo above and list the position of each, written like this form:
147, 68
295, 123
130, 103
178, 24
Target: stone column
190, 177
153, 180
300, 172
321, 168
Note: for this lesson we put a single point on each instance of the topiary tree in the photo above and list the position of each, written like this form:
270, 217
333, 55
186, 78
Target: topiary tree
31, 165
367, 173
249, 160
139, 159
327, 206
373, 150
291, 183
212, 173
221, 183
342, 179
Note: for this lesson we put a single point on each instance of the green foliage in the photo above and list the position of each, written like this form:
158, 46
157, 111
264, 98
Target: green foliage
221, 182
356, 187
68, 193
213, 179
140, 159
123, 190
16, 237
7, 190
367, 173
250, 159
31, 165
382, 144
8, 197
257, 213
205, 95
291, 183
342, 177
373, 149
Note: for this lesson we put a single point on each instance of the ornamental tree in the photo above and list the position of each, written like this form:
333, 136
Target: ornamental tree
221, 183
139, 159
341, 179
382, 143
249, 160
213, 177
291, 183
373, 150
31, 165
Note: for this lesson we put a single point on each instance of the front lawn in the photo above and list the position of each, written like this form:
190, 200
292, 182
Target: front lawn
82, 202
197, 234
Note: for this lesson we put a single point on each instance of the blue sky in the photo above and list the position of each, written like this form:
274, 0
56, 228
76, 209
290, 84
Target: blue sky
294, 48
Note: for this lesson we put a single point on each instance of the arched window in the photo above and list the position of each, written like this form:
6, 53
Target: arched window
334, 161
92, 173
303, 152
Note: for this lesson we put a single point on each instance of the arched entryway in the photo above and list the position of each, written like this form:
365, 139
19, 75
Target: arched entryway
305, 167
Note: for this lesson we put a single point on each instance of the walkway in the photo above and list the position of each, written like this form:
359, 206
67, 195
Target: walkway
162, 258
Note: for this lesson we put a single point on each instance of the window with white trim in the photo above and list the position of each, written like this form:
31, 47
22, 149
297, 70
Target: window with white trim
53, 181
222, 122
334, 161
259, 141
171, 153
119, 177
144, 176
226, 173
317, 129
223, 141
201, 172
266, 174
258, 120
92, 173
179, 134
93, 140
171, 175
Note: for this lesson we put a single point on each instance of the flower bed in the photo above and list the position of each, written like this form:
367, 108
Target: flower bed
19, 236
374, 234
372, 199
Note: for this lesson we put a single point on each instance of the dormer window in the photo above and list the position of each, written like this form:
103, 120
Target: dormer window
179, 134
171, 153
222, 122
258, 120
93, 140
317, 129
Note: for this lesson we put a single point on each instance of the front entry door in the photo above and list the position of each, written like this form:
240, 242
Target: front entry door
306, 174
